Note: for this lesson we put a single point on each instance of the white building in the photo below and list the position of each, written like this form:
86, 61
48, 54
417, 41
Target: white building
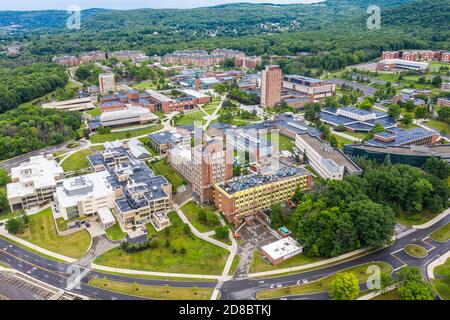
84, 196
137, 149
127, 116
107, 82
327, 162
33, 182
81, 104
281, 250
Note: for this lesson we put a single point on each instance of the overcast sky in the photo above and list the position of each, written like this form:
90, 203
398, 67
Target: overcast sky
124, 4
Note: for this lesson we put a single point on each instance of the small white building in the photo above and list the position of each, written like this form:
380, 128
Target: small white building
106, 217
137, 149
281, 250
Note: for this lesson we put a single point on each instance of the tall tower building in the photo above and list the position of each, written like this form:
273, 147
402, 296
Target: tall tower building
212, 163
271, 81
107, 82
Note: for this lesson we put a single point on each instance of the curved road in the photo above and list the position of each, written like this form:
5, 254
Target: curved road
57, 273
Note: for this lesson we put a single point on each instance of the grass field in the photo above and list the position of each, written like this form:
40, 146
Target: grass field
342, 141
283, 143
77, 161
123, 135
6, 213
42, 232
416, 251
115, 232
191, 211
442, 234
409, 219
94, 112
153, 292
442, 281
162, 168
190, 117
234, 265
260, 265
391, 295
323, 285
147, 84
201, 257
440, 126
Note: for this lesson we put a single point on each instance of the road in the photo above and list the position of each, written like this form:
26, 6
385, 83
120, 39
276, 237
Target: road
57, 273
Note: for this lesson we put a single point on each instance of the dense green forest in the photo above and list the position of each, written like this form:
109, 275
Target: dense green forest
340, 216
29, 128
23, 84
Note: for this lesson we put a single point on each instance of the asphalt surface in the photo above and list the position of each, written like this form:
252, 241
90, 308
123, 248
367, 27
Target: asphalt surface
58, 274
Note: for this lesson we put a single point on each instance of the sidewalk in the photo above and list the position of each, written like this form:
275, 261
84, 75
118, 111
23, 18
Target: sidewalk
433, 221
308, 266
156, 274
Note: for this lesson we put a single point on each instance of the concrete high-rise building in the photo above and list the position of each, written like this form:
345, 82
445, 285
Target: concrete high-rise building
107, 82
211, 163
271, 82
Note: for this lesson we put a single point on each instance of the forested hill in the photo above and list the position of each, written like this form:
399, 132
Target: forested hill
216, 15
335, 29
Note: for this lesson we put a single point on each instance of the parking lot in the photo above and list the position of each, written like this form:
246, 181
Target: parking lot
15, 287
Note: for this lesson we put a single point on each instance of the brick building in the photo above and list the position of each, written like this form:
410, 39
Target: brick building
271, 83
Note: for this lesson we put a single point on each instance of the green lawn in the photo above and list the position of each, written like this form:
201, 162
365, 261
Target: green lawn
323, 285
122, 135
77, 161
342, 141
416, 250
42, 232
359, 135
442, 234
260, 265
201, 257
115, 232
190, 117
144, 140
283, 143
440, 126
162, 168
147, 84
409, 219
153, 292
6, 213
390, 295
94, 112
191, 211
442, 281
234, 265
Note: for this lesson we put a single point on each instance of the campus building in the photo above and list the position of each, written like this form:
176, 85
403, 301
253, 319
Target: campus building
400, 64
443, 102
201, 58
445, 87
248, 141
183, 100
81, 104
281, 250
83, 196
241, 198
397, 137
163, 141
313, 89
271, 86
328, 162
67, 60
127, 116
107, 83
140, 196
411, 155
356, 120
33, 182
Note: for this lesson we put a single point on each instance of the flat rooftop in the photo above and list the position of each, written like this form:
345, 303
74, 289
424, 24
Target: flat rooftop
282, 248
254, 180
328, 152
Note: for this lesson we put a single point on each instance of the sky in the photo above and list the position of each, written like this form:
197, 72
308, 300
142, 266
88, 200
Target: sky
125, 4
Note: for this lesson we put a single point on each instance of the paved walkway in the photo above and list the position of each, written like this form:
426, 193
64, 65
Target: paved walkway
435, 263
206, 236
433, 221
214, 114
